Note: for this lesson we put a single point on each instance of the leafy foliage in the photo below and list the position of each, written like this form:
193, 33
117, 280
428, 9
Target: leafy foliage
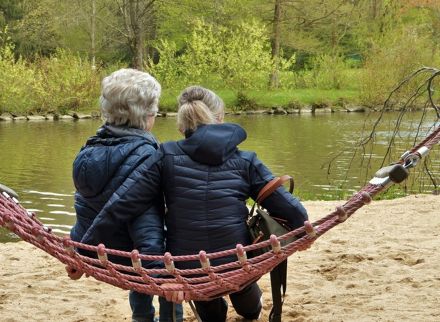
18, 81
390, 60
236, 56
68, 82
58, 83
364, 46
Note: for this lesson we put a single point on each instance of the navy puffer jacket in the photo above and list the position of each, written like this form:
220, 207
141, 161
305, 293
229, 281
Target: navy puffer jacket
101, 166
206, 181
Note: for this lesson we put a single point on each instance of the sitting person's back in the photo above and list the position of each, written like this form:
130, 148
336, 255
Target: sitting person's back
129, 104
208, 183
99, 169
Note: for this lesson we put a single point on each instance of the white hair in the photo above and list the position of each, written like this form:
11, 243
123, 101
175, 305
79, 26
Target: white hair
129, 97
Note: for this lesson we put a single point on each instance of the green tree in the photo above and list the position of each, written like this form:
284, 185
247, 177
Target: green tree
35, 33
10, 11
238, 56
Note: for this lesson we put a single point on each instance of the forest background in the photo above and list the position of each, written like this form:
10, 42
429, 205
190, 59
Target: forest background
254, 53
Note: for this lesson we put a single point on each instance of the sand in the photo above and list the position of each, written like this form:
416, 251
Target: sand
383, 264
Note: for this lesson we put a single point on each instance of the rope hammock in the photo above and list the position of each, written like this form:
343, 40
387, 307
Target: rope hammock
208, 281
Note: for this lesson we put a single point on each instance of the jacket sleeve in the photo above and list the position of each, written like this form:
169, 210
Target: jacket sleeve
280, 203
134, 197
147, 233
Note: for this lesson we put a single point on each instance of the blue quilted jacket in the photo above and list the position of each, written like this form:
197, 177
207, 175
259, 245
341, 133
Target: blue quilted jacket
206, 181
101, 166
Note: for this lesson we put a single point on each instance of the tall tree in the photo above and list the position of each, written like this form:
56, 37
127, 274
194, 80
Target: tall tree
428, 14
138, 20
298, 24
36, 32
276, 44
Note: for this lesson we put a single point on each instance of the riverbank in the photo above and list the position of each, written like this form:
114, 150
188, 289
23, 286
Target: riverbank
381, 265
278, 110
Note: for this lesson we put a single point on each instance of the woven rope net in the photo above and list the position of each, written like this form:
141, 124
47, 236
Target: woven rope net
208, 281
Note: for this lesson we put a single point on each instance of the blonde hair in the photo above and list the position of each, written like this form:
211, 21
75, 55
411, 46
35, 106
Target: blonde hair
197, 106
129, 97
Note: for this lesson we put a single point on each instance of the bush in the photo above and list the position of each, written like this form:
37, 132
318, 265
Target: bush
19, 82
59, 83
390, 60
170, 68
245, 103
238, 57
68, 82
328, 72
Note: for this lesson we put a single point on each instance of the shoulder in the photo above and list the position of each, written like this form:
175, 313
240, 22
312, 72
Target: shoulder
171, 147
148, 147
248, 156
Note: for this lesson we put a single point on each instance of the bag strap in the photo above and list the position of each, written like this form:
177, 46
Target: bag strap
273, 185
278, 276
269, 188
278, 280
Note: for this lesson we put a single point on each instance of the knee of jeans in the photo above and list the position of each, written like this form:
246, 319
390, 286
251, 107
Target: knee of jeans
168, 309
249, 312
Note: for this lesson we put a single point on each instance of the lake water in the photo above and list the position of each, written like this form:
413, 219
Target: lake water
36, 157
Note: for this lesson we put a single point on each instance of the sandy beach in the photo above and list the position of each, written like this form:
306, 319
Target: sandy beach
383, 264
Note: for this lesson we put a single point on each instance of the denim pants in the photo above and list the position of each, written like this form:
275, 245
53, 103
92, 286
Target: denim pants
143, 310
246, 303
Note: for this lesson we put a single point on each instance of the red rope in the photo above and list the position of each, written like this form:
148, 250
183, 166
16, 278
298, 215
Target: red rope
203, 283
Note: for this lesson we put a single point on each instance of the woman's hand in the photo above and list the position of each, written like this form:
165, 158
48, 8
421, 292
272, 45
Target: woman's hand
173, 296
73, 273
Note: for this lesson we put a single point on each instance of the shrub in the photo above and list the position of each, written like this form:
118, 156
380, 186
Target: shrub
68, 82
390, 60
238, 57
245, 103
19, 82
170, 68
328, 71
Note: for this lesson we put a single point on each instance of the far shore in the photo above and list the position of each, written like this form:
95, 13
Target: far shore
5, 117
276, 110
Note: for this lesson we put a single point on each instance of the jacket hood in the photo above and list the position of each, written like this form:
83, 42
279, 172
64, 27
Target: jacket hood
213, 144
104, 154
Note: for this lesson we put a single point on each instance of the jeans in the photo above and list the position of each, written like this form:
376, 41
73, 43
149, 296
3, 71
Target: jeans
246, 303
143, 310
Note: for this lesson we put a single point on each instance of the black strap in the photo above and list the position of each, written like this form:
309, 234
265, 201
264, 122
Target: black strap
278, 276
278, 281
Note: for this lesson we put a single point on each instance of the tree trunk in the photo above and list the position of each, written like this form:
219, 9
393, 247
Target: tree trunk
276, 43
138, 35
374, 9
150, 35
93, 34
138, 59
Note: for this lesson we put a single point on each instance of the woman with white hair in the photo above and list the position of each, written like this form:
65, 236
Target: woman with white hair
206, 181
129, 104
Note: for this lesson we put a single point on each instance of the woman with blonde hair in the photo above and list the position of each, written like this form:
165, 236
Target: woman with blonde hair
206, 181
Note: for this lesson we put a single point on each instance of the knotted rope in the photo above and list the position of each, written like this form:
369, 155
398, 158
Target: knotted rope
208, 281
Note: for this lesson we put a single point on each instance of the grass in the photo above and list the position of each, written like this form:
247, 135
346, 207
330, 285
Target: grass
302, 96
270, 98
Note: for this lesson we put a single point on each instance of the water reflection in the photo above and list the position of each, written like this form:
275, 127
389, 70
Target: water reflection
36, 157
